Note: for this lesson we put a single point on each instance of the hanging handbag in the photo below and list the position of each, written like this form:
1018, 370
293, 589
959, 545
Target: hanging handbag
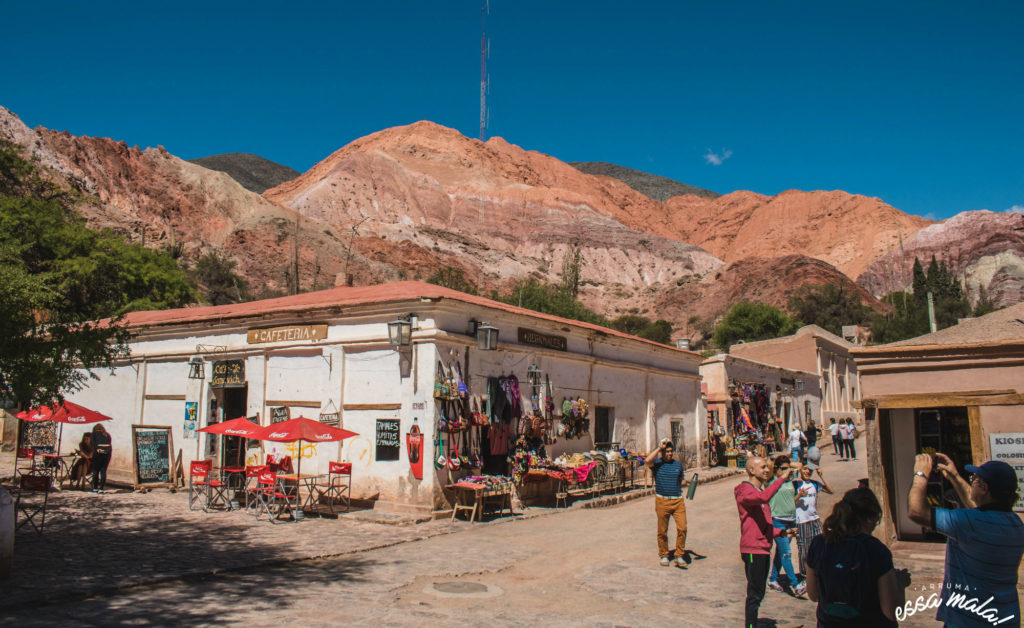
441, 462
441, 388
461, 383
453, 455
453, 384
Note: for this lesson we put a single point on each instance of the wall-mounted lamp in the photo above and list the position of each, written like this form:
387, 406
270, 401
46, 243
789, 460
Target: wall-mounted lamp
486, 337
533, 374
400, 331
195, 369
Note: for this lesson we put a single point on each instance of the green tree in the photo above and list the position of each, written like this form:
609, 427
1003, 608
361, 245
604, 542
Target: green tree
658, 331
752, 321
454, 278
542, 297
829, 306
217, 280
64, 286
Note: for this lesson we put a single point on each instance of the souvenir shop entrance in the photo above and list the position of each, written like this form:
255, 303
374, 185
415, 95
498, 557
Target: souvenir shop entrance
754, 427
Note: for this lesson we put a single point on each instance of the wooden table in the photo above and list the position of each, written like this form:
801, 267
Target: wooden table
306, 479
471, 496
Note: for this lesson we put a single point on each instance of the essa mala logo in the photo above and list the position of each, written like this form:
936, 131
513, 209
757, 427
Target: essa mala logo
958, 599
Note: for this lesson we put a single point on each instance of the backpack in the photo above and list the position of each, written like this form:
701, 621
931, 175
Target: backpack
845, 579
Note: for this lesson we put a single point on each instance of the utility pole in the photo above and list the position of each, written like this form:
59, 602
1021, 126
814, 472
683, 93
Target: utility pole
485, 81
931, 313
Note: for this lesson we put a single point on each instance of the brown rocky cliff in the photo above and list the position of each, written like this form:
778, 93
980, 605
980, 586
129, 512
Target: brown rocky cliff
848, 231
986, 249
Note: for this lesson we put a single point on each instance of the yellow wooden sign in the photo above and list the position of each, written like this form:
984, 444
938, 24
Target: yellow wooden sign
288, 333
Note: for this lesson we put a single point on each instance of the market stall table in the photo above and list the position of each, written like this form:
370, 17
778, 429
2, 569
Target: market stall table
471, 495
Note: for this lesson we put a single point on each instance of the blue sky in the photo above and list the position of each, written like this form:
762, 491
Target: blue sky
918, 103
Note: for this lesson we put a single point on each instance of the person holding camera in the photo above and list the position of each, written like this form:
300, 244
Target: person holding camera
668, 501
984, 539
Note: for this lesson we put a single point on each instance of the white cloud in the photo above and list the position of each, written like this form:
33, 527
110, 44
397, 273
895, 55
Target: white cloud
930, 216
1016, 209
716, 159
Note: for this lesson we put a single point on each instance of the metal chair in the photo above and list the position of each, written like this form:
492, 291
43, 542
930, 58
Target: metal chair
20, 465
271, 499
251, 486
202, 489
338, 485
27, 504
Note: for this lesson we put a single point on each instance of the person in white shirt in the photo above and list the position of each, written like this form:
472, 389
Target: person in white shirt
797, 440
837, 440
808, 523
849, 433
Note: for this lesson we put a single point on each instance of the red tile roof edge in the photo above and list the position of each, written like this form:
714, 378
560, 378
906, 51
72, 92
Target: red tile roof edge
361, 295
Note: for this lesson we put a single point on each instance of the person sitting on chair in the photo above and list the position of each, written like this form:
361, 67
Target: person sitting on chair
83, 460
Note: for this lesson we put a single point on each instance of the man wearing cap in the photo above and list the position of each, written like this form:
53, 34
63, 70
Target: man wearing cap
984, 541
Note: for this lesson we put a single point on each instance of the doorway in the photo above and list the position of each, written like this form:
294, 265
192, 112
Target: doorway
603, 426
235, 403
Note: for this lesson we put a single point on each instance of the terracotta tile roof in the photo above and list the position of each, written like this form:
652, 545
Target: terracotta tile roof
396, 292
999, 327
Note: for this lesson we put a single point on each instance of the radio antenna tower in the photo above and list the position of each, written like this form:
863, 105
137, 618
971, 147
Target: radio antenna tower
485, 79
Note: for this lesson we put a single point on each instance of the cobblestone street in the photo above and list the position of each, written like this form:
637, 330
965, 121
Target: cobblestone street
580, 567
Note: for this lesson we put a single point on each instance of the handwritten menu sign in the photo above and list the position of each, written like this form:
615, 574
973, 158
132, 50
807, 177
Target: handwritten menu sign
228, 374
152, 447
388, 439
278, 414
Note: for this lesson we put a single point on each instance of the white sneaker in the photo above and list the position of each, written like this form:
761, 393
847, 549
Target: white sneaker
800, 589
680, 563
664, 561
775, 586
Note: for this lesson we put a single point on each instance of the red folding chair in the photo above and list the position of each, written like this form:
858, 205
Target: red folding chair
272, 499
28, 505
338, 485
25, 461
251, 486
202, 485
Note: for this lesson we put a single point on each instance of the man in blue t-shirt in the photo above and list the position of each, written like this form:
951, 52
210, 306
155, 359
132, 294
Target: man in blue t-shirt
985, 541
668, 501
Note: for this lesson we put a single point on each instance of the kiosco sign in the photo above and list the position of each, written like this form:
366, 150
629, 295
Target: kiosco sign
1010, 449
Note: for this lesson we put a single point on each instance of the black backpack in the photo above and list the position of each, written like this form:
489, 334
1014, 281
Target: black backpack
845, 579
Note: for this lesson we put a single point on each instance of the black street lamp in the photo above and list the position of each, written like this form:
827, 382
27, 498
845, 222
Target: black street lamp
400, 332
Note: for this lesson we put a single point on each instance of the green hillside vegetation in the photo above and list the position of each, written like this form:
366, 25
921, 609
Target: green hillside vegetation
57, 275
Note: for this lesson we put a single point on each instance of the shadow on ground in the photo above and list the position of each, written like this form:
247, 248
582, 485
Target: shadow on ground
98, 545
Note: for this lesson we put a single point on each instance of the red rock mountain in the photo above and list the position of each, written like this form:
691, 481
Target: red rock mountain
846, 230
985, 248
409, 200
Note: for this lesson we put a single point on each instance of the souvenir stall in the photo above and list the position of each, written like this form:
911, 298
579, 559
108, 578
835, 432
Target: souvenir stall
756, 429
496, 443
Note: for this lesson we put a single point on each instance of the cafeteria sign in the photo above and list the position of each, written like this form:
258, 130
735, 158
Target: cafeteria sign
288, 333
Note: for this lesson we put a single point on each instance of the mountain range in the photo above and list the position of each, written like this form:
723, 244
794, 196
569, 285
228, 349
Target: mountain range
407, 201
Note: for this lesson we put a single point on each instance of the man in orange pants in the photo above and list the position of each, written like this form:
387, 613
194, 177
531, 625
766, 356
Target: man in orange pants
668, 501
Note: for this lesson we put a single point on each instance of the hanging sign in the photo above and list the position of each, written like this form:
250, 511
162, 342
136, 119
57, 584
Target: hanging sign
228, 374
288, 333
330, 418
1009, 447
279, 414
537, 339
388, 439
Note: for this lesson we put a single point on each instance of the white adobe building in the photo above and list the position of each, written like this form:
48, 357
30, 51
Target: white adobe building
328, 352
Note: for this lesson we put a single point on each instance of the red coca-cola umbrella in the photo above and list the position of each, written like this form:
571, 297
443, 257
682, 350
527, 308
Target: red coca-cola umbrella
302, 429
62, 412
66, 412
242, 427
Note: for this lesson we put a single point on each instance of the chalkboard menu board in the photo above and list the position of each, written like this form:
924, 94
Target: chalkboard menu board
388, 439
152, 448
228, 374
279, 414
